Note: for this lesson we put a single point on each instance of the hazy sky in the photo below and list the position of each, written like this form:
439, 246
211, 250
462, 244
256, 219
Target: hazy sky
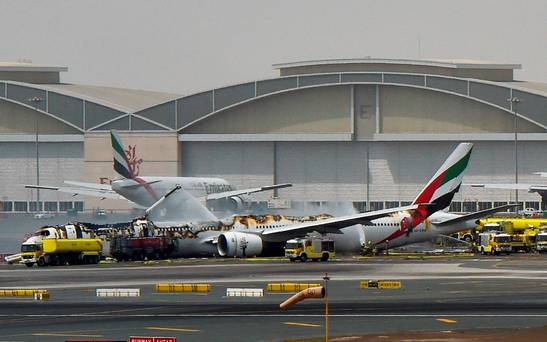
187, 46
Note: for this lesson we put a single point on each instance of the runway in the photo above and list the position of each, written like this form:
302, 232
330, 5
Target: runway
437, 294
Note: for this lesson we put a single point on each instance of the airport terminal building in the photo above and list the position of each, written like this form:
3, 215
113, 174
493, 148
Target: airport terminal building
369, 131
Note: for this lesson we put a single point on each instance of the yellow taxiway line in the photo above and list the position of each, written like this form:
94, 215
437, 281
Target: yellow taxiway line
172, 329
446, 320
303, 324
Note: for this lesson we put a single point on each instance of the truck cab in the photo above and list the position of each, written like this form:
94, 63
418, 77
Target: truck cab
309, 248
494, 243
31, 250
541, 242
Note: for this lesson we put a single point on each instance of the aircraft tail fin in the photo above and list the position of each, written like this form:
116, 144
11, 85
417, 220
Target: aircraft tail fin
440, 190
121, 162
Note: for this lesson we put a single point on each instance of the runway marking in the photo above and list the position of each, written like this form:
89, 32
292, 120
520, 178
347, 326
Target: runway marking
541, 276
172, 329
65, 335
121, 310
268, 315
446, 320
303, 324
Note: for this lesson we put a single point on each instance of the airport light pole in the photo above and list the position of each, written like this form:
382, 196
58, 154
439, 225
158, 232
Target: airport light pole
326, 279
35, 100
513, 100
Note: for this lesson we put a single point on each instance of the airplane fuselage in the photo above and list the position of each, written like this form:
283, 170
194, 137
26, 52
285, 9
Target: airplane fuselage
147, 190
197, 239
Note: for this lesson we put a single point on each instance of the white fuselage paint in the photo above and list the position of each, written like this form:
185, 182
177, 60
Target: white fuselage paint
198, 187
353, 237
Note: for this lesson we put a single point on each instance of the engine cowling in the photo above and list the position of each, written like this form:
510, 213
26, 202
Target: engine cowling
236, 244
236, 203
233, 204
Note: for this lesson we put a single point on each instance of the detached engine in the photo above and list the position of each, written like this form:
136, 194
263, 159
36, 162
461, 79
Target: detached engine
236, 244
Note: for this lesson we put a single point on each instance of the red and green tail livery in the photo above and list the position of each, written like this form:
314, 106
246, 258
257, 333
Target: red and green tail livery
440, 190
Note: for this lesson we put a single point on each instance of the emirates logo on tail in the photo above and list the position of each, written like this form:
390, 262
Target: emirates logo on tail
133, 163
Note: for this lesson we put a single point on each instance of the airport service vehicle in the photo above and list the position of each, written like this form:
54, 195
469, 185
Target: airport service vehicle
524, 241
523, 238
141, 241
512, 224
57, 252
141, 248
64, 231
309, 249
541, 242
494, 243
146, 190
43, 215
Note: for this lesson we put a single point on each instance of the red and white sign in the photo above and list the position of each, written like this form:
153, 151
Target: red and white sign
152, 339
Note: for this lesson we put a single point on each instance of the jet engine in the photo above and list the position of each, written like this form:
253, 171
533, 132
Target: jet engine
237, 244
233, 204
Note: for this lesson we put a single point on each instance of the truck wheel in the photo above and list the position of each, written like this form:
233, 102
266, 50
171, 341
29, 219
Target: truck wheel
54, 261
303, 257
325, 257
41, 262
30, 264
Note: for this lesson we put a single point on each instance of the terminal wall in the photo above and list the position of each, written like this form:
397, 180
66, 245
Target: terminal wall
58, 162
43, 77
244, 165
337, 171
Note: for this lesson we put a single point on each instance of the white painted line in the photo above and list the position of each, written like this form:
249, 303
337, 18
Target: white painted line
118, 292
239, 292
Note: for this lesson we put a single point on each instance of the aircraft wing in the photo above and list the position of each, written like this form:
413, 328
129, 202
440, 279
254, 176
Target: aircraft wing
476, 215
95, 186
508, 186
331, 225
85, 191
226, 194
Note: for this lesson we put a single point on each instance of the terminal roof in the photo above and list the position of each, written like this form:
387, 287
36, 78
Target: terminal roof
443, 63
27, 66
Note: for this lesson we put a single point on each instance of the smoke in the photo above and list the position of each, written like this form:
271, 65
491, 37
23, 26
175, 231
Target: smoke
179, 208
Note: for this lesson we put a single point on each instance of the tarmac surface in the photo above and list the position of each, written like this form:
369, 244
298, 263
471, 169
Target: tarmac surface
437, 294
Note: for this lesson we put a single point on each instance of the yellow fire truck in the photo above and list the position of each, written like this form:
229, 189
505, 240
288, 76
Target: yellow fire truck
309, 248
494, 243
